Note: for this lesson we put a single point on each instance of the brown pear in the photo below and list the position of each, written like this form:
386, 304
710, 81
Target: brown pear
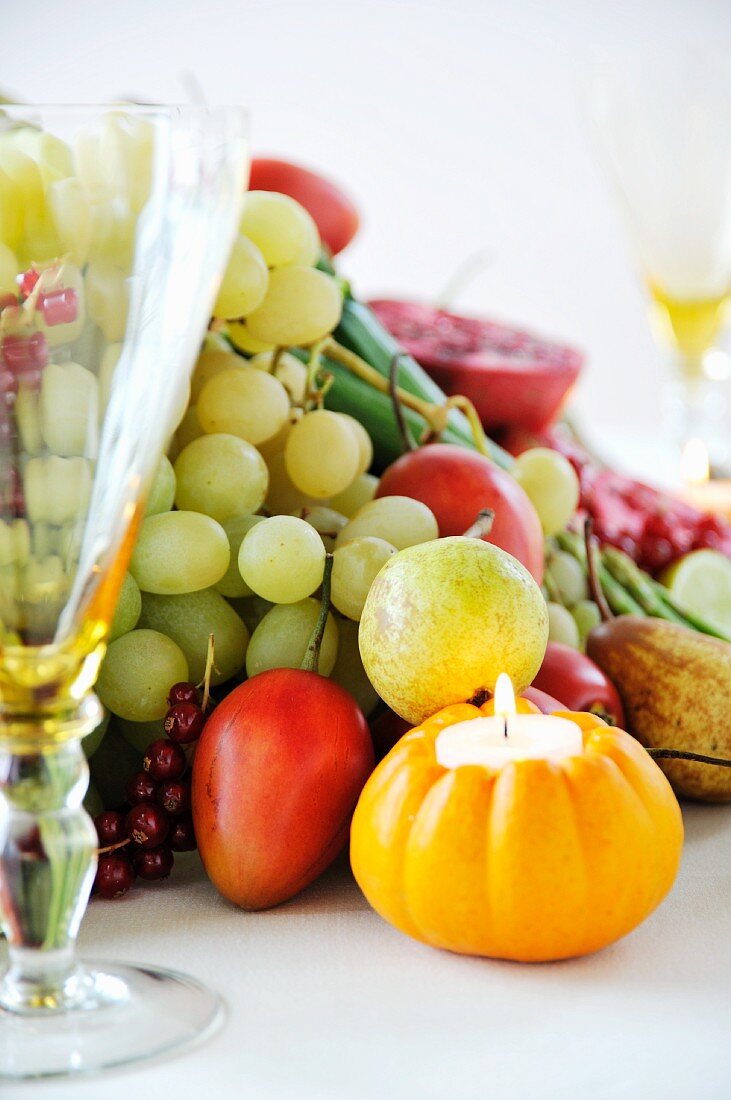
675, 686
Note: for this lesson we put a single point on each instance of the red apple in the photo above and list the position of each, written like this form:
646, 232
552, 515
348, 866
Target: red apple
276, 776
457, 484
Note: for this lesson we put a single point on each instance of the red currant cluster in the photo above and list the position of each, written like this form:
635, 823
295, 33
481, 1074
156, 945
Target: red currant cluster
140, 840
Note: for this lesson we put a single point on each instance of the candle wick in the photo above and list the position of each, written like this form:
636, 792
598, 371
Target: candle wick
505, 724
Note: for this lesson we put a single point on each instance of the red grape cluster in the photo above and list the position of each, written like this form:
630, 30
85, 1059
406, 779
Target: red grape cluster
144, 836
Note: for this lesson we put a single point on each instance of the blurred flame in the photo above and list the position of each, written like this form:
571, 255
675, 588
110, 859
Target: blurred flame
504, 696
694, 464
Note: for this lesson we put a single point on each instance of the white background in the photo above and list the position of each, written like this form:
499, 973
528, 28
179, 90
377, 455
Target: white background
456, 125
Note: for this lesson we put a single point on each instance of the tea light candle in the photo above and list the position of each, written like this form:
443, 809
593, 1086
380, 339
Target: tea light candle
492, 742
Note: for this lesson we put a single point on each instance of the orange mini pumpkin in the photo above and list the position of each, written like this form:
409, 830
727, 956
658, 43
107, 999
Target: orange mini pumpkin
532, 861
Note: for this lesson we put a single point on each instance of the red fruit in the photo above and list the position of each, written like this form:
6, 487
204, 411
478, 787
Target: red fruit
7, 301
545, 702
25, 354
110, 827
335, 215
114, 876
513, 378
184, 692
276, 776
153, 864
184, 722
580, 684
181, 837
27, 282
174, 797
164, 760
59, 307
147, 825
141, 787
456, 484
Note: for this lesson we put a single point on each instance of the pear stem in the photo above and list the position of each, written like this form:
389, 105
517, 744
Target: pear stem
403, 428
482, 526
680, 754
312, 653
597, 592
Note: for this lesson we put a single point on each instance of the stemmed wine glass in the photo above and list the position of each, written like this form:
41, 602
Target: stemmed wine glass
115, 226
663, 124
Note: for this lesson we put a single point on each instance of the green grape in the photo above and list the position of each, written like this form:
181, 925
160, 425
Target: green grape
562, 626
221, 476
112, 764
242, 339
280, 227
281, 639
93, 801
358, 493
28, 419
162, 491
399, 520
326, 522
283, 496
568, 576
179, 552
50, 153
586, 616
232, 585
107, 367
301, 305
243, 402
349, 671
188, 430
355, 567
289, 371
189, 620
137, 672
252, 610
244, 282
278, 442
69, 409
212, 360
93, 740
282, 559
129, 606
551, 483
140, 734
112, 226
365, 445
322, 454
107, 299
11, 212
56, 489
8, 270
71, 215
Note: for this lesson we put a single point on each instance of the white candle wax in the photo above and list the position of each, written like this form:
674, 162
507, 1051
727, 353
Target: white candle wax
530, 737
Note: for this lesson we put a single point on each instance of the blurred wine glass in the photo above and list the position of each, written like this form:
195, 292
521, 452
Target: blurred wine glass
115, 227
663, 124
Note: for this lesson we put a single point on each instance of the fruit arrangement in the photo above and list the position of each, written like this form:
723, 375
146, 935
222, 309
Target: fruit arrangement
330, 539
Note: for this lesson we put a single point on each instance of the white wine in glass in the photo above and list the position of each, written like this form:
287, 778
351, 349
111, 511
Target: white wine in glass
663, 123
115, 227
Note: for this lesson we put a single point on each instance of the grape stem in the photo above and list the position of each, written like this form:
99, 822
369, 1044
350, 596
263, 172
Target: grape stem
210, 654
436, 416
113, 847
482, 526
403, 428
597, 592
681, 754
312, 653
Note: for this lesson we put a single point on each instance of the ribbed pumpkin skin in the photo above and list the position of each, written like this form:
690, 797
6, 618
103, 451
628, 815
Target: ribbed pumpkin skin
534, 861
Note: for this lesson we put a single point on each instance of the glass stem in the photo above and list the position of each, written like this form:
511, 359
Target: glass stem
47, 864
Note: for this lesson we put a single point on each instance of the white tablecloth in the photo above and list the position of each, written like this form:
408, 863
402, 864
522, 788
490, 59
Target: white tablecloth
327, 1002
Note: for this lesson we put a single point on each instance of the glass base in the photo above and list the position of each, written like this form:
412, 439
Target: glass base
121, 1014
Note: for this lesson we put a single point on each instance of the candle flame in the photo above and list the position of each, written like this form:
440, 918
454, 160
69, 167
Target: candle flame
696, 468
504, 696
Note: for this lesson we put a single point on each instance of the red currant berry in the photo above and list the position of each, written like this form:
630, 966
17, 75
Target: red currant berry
174, 797
147, 825
114, 876
27, 281
184, 722
183, 692
181, 837
140, 788
110, 827
153, 863
164, 760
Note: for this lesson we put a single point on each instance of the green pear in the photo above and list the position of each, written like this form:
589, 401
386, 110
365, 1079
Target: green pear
444, 618
675, 686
